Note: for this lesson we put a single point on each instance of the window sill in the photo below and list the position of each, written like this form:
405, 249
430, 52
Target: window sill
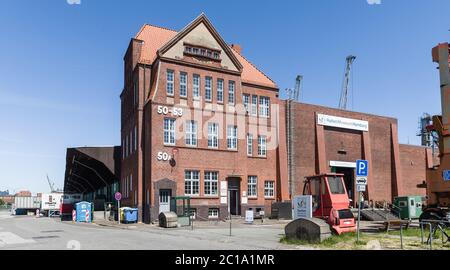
257, 157
183, 97
253, 198
269, 198
203, 197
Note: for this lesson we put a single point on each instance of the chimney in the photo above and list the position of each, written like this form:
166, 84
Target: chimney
237, 48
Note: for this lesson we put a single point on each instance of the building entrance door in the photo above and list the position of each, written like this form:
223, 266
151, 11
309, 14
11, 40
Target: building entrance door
349, 180
234, 197
164, 200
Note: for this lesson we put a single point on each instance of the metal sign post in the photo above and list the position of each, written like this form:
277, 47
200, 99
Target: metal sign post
118, 197
361, 182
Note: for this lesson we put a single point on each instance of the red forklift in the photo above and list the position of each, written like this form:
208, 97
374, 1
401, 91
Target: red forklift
330, 201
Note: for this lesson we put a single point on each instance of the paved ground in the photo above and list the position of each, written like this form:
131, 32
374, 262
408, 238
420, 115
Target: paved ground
28, 232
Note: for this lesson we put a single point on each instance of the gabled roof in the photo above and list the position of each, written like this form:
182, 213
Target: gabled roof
154, 38
158, 38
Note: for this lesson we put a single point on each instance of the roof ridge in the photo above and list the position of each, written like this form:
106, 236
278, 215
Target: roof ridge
156, 26
161, 27
253, 66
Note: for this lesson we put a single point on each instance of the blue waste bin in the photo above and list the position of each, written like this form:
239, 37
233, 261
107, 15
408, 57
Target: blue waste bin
84, 213
130, 215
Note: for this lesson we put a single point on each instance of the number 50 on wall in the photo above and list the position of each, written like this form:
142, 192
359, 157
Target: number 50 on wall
163, 156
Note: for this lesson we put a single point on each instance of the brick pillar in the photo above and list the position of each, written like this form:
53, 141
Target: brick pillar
282, 168
368, 157
321, 154
398, 183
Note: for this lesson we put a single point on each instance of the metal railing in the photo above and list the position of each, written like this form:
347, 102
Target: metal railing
434, 227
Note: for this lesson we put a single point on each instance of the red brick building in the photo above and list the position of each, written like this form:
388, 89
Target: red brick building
198, 119
331, 140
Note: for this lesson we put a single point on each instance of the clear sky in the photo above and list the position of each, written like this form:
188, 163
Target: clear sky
61, 68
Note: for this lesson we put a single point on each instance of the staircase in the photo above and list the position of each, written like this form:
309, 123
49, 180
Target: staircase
374, 214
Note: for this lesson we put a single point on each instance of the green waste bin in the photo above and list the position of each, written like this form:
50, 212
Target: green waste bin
408, 207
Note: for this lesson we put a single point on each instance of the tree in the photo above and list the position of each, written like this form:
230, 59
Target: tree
2, 202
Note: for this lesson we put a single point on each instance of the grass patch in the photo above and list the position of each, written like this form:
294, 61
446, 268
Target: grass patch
416, 232
343, 241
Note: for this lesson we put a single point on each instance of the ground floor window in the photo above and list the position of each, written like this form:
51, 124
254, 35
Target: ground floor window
191, 182
211, 181
252, 184
269, 189
213, 213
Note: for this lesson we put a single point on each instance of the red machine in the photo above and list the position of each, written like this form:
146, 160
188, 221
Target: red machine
330, 201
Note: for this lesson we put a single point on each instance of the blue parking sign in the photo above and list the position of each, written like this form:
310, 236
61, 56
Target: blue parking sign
362, 167
446, 175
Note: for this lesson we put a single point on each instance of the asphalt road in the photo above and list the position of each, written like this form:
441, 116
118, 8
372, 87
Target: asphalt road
31, 233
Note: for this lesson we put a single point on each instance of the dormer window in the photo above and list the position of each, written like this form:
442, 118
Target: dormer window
194, 50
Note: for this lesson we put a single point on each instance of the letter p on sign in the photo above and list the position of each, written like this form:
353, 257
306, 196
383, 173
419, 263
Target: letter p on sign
362, 167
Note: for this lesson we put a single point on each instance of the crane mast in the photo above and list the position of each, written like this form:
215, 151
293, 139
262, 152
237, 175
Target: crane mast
344, 94
442, 123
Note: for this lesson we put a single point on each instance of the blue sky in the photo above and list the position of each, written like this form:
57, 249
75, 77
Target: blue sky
61, 69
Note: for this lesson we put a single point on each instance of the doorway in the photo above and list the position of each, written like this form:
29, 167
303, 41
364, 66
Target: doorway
234, 200
349, 181
164, 200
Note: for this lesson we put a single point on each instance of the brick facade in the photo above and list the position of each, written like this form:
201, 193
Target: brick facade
152, 166
394, 169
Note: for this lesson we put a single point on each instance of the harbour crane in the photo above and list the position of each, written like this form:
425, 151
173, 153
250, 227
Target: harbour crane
294, 94
52, 186
344, 94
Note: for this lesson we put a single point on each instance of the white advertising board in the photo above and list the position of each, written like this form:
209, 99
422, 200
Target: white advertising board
341, 122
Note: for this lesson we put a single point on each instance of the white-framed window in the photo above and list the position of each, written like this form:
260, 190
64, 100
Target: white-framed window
169, 82
249, 144
262, 146
196, 86
135, 138
191, 182
213, 135
269, 189
213, 213
169, 131
252, 186
232, 137
231, 89
264, 106
191, 133
211, 182
246, 101
183, 84
254, 110
220, 90
208, 88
